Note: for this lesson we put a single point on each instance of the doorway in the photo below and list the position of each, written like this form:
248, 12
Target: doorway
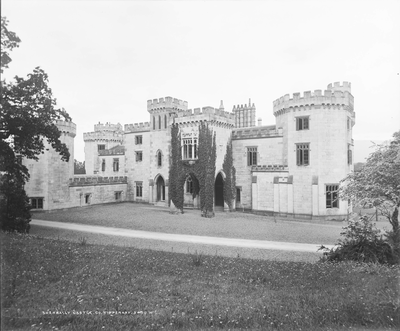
219, 190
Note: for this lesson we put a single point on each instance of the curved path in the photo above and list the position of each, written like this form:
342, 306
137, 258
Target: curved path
232, 242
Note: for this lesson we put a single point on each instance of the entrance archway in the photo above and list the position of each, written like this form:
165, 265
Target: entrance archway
219, 190
160, 189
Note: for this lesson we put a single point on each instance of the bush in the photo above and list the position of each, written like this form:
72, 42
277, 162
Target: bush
362, 242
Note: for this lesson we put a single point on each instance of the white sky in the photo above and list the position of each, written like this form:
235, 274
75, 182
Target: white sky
105, 59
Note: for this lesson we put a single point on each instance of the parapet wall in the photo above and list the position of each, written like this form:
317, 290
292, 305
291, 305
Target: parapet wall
137, 127
206, 111
336, 95
108, 127
103, 136
257, 132
96, 180
167, 102
68, 128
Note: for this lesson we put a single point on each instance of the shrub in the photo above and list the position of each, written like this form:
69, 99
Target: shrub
362, 242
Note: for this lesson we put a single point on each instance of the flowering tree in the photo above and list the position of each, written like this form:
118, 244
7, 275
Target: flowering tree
378, 183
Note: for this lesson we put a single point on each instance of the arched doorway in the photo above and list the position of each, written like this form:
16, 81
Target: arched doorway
219, 190
160, 189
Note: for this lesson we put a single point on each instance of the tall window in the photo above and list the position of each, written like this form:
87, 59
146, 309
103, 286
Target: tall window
116, 164
189, 185
138, 140
159, 159
332, 199
302, 123
348, 123
154, 122
159, 122
103, 165
101, 147
238, 191
37, 203
190, 148
303, 154
165, 121
251, 156
139, 156
349, 155
139, 189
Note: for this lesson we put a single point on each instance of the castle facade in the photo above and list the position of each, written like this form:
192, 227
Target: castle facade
292, 168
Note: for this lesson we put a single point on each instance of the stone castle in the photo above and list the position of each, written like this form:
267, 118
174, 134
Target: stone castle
292, 168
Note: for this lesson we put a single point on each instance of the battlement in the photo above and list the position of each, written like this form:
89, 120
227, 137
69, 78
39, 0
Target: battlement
167, 102
243, 107
137, 127
336, 95
108, 127
267, 131
206, 111
102, 136
65, 127
96, 180
346, 86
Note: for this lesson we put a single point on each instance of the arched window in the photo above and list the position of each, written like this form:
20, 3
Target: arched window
154, 123
159, 122
165, 121
159, 159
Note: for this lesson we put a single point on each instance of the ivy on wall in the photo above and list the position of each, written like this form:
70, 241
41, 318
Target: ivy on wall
230, 177
202, 170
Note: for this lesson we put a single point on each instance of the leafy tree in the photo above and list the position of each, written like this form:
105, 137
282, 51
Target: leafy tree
28, 115
230, 179
79, 167
378, 183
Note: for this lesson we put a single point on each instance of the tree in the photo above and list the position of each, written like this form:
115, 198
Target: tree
378, 184
28, 115
230, 176
79, 167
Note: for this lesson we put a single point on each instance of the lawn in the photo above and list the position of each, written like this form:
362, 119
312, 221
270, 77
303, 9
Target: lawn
61, 285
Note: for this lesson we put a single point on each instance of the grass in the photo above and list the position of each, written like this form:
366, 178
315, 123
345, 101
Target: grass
94, 287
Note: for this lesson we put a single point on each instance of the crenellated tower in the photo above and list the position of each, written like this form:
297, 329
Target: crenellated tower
105, 136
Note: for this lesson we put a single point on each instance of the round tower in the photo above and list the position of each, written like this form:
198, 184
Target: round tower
317, 145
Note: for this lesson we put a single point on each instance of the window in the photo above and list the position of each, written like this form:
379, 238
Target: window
154, 123
302, 123
87, 198
139, 156
165, 121
159, 122
118, 195
349, 155
190, 148
138, 140
139, 189
159, 159
189, 185
101, 147
303, 154
37, 203
348, 123
332, 199
116, 165
251, 156
103, 165
238, 191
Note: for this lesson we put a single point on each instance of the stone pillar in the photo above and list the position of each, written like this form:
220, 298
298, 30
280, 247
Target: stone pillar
315, 198
276, 194
290, 201
254, 193
151, 186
